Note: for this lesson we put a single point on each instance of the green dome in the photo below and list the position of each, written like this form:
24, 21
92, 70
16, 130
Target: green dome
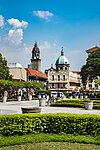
62, 59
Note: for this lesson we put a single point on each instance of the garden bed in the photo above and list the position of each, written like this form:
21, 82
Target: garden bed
77, 103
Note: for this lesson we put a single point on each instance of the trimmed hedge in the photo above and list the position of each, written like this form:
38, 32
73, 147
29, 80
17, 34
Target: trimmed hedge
50, 123
75, 103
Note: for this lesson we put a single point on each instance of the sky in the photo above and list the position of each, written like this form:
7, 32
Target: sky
53, 24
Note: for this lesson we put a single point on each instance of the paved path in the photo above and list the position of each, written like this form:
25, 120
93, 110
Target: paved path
68, 110
15, 108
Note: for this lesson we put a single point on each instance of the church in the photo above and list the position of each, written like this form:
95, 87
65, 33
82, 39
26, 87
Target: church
33, 72
58, 79
61, 78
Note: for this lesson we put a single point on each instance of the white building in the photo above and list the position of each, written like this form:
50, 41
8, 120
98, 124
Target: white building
60, 78
17, 71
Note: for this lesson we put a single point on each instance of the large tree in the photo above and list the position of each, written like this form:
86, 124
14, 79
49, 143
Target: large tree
91, 70
4, 70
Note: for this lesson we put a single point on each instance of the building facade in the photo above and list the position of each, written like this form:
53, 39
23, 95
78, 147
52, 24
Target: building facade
60, 78
33, 73
17, 71
92, 85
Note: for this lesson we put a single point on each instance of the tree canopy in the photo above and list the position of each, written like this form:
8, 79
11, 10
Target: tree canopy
4, 70
91, 70
97, 81
6, 84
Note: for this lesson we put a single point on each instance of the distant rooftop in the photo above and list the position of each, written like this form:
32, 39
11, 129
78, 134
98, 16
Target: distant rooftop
38, 73
92, 49
14, 65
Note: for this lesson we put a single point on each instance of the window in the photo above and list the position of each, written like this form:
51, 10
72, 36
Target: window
58, 85
52, 77
61, 68
65, 68
53, 85
90, 86
63, 77
58, 77
63, 85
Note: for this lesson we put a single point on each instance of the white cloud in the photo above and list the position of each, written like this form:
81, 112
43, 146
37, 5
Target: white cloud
27, 48
46, 45
15, 36
17, 24
43, 14
1, 21
16, 53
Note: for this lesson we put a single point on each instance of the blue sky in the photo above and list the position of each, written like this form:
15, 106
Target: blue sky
73, 24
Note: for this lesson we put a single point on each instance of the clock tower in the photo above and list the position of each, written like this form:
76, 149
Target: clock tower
35, 60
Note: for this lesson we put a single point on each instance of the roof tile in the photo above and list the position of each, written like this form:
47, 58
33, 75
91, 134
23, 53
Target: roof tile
32, 72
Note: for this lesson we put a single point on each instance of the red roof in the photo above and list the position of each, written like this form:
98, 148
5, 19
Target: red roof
92, 49
32, 72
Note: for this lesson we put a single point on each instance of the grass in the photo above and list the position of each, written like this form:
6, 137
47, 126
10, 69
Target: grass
53, 146
41, 138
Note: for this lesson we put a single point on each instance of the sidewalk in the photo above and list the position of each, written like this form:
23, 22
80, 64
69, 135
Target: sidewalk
15, 108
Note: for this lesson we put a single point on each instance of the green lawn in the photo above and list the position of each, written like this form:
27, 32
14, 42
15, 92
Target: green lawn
53, 146
43, 141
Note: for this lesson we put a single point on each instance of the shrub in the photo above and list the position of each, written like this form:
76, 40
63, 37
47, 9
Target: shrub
75, 103
50, 123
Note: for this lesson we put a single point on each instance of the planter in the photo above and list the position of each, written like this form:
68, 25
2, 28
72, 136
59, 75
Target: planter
30, 97
81, 96
86, 96
4, 98
77, 97
42, 102
19, 98
88, 104
31, 110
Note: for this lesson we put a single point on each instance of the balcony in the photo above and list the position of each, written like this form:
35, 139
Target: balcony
57, 89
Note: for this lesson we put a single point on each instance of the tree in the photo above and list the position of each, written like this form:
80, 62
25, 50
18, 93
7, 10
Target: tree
91, 70
4, 70
97, 81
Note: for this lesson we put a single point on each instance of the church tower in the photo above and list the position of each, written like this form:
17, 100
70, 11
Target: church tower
35, 60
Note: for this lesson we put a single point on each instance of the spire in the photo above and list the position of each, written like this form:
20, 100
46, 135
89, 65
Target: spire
35, 45
62, 52
35, 52
51, 65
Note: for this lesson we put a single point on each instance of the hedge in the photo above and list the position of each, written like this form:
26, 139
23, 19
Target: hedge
76, 124
75, 103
